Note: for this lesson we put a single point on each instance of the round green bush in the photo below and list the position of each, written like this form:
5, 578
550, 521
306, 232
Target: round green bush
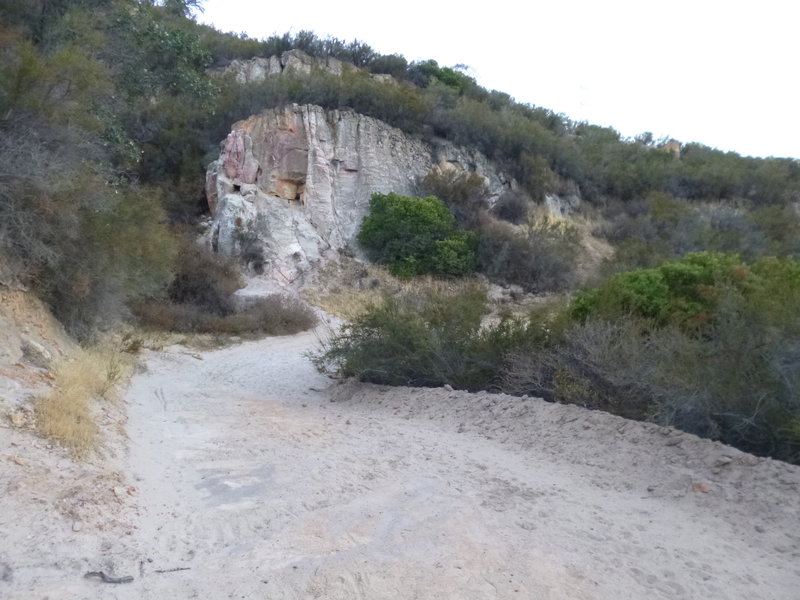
413, 236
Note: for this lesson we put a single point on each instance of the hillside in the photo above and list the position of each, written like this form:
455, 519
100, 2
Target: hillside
112, 112
555, 363
110, 141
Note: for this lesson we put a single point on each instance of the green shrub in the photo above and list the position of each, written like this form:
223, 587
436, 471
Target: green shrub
425, 73
643, 292
414, 236
455, 255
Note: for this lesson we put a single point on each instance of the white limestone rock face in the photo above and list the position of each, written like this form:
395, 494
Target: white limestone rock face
254, 70
562, 206
293, 183
297, 62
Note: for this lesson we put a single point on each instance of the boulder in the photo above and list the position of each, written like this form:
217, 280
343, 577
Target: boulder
36, 354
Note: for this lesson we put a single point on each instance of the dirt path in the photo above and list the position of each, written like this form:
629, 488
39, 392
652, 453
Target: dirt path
251, 476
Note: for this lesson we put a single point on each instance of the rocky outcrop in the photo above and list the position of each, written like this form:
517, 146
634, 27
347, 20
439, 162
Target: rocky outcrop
290, 62
31, 342
566, 202
292, 184
31, 335
672, 147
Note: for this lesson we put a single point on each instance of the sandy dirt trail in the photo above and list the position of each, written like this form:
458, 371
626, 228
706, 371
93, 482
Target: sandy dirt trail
253, 476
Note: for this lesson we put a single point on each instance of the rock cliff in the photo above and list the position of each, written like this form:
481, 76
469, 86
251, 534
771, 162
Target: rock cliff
292, 184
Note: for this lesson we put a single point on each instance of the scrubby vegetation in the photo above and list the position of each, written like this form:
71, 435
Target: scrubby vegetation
106, 115
512, 245
707, 344
540, 256
420, 339
660, 227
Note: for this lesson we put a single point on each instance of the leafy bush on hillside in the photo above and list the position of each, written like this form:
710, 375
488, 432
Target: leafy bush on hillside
82, 216
662, 227
84, 245
425, 73
686, 292
414, 236
539, 255
417, 235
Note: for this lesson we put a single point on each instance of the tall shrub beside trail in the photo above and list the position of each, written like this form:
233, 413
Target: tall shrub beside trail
85, 244
428, 339
707, 344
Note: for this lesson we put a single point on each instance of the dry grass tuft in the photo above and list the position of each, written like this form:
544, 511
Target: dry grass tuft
345, 302
67, 414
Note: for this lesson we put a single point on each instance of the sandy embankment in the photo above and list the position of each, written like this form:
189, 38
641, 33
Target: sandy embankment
249, 475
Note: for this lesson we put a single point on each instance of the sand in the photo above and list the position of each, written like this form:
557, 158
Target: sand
246, 474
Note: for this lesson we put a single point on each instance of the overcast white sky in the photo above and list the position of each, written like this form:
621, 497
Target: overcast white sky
723, 73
